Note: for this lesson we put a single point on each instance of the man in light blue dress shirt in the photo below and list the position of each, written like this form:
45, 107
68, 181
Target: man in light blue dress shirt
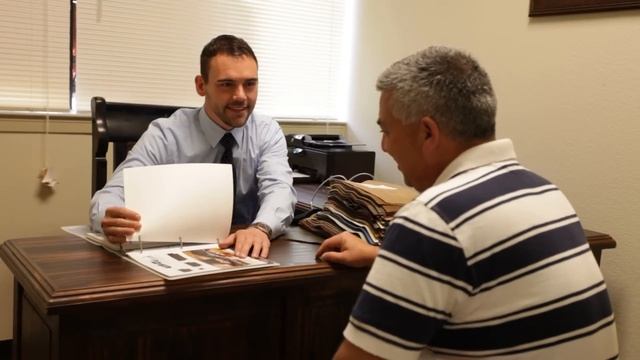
264, 194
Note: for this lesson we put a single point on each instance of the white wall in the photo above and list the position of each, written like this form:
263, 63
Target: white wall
567, 89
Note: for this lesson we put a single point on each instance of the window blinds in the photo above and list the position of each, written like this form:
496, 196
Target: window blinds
149, 51
34, 65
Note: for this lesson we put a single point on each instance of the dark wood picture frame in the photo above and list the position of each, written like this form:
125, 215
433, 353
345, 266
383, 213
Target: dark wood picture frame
558, 7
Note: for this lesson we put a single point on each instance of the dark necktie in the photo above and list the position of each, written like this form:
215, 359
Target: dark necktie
227, 142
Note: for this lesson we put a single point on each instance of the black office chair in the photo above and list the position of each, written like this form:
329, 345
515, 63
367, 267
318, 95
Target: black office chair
121, 124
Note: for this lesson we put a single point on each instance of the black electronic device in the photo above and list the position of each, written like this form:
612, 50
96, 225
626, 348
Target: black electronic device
320, 141
324, 155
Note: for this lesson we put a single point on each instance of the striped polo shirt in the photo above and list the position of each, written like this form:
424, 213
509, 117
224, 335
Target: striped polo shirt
491, 261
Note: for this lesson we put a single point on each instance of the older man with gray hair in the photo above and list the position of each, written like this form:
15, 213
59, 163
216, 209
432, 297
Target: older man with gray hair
490, 260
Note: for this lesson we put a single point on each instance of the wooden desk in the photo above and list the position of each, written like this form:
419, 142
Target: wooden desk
598, 242
73, 300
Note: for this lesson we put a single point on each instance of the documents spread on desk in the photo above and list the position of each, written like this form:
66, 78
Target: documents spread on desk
187, 208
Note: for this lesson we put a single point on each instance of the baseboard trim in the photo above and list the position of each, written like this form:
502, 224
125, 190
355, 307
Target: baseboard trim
5, 349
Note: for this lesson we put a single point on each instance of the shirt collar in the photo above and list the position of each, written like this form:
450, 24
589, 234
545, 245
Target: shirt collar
213, 132
479, 155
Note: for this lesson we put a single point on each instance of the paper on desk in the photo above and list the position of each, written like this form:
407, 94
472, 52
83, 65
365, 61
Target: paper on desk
84, 232
77, 230
381, 186
300, 175
193, 202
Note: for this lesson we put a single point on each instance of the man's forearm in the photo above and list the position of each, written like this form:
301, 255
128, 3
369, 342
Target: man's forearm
276, 209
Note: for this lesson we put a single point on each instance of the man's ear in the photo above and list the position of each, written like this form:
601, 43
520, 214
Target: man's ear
200, 85
430, 130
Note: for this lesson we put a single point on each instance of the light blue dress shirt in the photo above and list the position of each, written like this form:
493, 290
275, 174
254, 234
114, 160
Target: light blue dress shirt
264, 187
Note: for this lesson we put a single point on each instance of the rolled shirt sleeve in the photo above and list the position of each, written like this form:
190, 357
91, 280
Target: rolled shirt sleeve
275, 183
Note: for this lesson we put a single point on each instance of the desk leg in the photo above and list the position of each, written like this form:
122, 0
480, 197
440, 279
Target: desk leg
17, 324
597, 253
31, 334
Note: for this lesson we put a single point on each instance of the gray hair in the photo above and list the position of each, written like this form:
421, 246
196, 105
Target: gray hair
447, 85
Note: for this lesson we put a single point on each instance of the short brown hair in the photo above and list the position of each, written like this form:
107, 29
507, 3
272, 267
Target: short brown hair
223, 44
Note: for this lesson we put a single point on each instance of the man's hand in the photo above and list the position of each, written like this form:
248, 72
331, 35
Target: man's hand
347, 249
120, 222
245, 240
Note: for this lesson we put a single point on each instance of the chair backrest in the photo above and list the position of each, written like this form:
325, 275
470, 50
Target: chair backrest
121, 124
